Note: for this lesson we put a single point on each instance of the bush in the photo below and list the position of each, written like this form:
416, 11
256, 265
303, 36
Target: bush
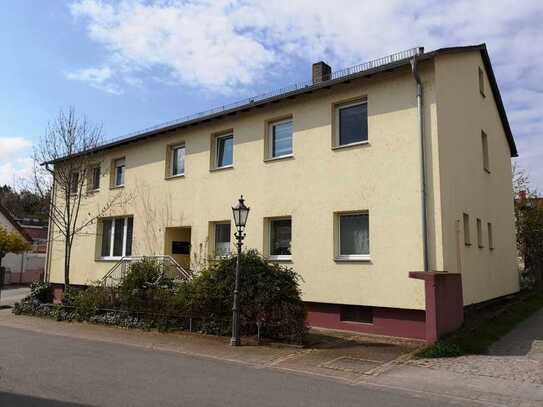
41, 291
441, 349
269, 293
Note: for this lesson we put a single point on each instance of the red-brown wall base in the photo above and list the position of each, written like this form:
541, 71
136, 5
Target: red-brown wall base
386, 321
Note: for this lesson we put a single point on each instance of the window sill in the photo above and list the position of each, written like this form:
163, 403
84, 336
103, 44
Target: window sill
108, 259
117, 187
175, 176
93, 191
487, 170
358, 143
353, 258
285, 258
226, 167
279, 158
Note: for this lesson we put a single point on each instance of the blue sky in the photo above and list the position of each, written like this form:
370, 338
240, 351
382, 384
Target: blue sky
132, 64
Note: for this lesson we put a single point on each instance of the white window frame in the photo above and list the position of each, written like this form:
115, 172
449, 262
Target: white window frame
271, 126
337, 108
216, 160
214, 225
172, 158
278, 257
112, 237
115, 166
350, 257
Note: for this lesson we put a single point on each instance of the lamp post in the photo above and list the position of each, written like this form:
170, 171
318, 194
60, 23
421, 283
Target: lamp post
241, 212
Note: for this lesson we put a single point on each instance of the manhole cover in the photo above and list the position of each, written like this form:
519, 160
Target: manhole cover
349, 364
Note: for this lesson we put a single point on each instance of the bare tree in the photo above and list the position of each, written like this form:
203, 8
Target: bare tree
63, 161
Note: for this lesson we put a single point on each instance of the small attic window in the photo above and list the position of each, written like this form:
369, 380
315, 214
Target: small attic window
481, 82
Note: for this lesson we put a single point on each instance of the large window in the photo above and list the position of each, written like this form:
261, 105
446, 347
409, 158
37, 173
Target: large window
280, 238
280, 138
116, 237
353, 236
119, 170
224, 151
351, 123
177, 160
222, 239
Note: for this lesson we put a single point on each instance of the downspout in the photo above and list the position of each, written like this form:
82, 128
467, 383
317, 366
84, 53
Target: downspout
49, 229
422, 158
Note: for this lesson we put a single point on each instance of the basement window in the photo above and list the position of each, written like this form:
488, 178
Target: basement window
356, 313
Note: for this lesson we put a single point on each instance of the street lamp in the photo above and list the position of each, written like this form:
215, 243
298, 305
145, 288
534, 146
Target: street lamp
241, 212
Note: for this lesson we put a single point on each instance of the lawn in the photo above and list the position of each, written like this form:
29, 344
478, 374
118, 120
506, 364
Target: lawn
486, 323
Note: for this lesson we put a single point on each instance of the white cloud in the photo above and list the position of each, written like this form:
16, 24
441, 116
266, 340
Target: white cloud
15, 161
98, 78
228, 45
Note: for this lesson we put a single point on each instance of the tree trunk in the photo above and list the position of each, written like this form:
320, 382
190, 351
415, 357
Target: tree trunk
67, 255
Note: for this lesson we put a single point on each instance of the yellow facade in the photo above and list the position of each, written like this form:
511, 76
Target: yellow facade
381, 177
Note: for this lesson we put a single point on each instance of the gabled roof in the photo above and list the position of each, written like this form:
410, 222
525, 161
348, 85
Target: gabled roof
367, 69
14, 223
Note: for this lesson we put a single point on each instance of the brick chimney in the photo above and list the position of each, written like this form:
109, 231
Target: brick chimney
321, 72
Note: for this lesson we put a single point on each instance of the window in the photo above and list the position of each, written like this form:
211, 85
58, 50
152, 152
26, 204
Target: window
353, 237
351, 123
177, 160
117, 237
481, 82
467, 234
94, 178
74, 183
224, 151
280, 239
484, 143
222, 239
280, 138
480, 233
119, 170
356, 313
490, 236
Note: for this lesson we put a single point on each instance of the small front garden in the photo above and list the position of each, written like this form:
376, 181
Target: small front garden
270, 301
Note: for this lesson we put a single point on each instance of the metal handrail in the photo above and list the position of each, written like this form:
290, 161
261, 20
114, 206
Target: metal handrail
343, 73
114, 276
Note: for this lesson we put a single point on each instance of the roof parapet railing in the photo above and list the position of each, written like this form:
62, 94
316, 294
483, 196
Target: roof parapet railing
344, 73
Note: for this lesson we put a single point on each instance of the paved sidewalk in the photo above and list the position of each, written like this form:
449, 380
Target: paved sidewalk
517, 357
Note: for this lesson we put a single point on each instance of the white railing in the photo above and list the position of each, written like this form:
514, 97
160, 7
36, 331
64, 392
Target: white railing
169, 268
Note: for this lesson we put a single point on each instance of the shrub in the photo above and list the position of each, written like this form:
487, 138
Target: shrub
441, 349
269, 293
89, 301
41, 291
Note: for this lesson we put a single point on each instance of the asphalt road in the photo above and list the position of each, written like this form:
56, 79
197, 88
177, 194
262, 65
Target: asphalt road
44, 370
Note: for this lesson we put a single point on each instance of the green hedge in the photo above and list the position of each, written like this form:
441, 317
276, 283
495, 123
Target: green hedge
269, 298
